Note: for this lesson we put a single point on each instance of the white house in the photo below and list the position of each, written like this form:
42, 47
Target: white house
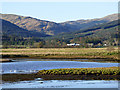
73, 44
105, 45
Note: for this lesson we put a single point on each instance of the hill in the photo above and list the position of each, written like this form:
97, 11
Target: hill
33, 24
32, 32
9, 28
84, 24
98, 35
53, 28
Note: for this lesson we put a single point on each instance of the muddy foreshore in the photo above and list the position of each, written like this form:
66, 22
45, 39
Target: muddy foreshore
25, 77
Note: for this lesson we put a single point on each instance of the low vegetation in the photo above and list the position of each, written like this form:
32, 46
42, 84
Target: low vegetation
82, 71
93, 53
111, 73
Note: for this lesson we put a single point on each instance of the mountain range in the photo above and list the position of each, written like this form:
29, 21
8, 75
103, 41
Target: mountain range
32, 27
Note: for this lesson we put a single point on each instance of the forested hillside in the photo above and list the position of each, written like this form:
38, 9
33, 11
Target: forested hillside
97, 36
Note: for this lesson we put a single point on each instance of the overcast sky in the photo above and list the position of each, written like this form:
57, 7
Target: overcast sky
60, 11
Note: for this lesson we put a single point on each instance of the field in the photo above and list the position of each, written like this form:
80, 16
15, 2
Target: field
94, 53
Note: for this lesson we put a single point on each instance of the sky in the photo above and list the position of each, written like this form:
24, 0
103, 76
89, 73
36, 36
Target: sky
60, 11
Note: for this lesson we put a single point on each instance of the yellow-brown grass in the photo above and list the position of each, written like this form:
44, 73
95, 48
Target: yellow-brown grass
64, 52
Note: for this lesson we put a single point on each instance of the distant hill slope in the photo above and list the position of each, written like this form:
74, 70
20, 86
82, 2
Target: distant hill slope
97, 36
106, 31
33, 24
84, 24
52, 28
9, 28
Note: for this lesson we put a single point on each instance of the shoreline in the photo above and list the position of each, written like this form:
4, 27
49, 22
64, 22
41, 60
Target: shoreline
59, 57
25, 77
6, 60
113, 73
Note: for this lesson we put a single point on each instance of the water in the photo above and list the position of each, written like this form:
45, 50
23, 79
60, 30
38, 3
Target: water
63, 84
34, 66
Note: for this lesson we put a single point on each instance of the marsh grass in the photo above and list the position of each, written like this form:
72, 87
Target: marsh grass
82, 71
62, 53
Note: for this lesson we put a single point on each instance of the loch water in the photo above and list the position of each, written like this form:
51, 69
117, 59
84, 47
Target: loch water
30, 66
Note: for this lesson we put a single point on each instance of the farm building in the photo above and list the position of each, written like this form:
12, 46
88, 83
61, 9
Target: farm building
73, 44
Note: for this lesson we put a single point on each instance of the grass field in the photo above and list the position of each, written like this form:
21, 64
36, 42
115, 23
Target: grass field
103, 53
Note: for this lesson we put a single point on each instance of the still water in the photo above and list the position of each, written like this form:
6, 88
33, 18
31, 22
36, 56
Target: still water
63, 84
27, 66
33, 66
